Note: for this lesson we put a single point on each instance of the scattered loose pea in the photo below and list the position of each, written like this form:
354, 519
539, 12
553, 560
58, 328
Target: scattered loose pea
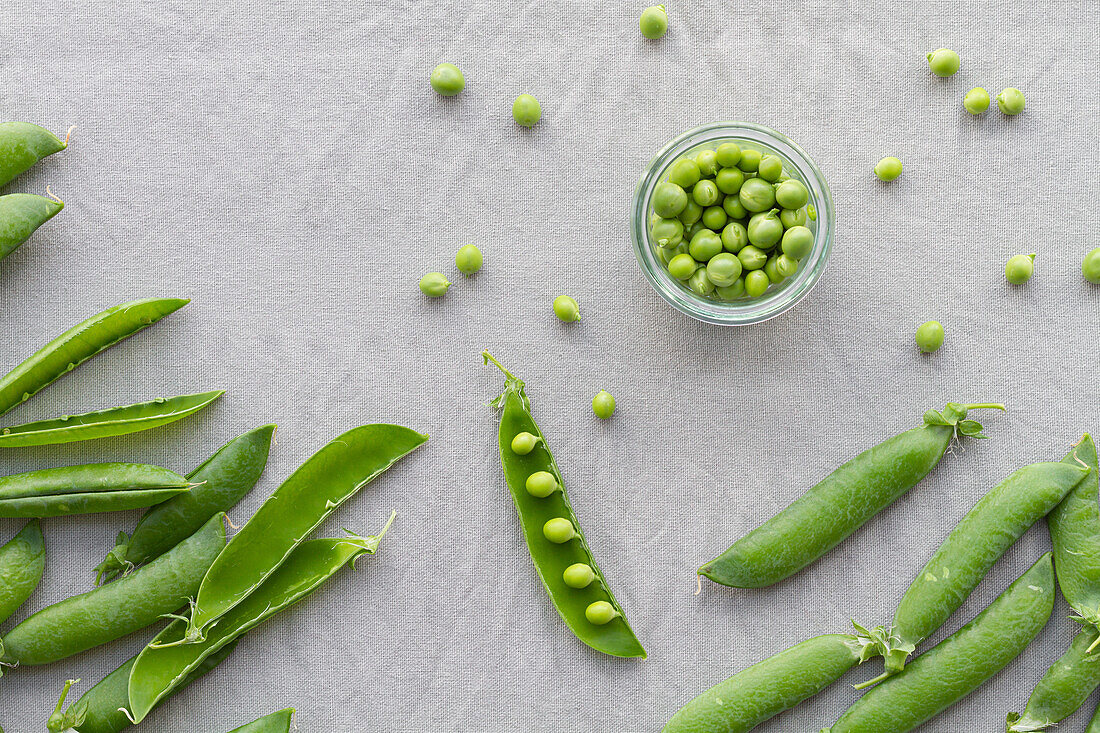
930, 336
654, 22
526, 110
1010, 101
600, 612
603, 404
541, 484
446, 79
468, 259
559, 530
943, 62
1090, 266
524, 443
566, 309
578, 575
434, 285
976, 101
1019, 268
888, 168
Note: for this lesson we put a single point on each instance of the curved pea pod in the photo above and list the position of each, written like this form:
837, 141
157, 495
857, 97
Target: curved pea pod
614, 637
218, 484
274, 723
20, 216
80, 343
100, 709
102, 615
107, 423
1094, 724
987, 531
767, 688
1075, 533
23, 144
843, 502
87, 489
165, 662
22, 561
959, 664
1063, 689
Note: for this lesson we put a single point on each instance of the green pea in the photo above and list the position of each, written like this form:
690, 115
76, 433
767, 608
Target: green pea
566, 309
943, 62
600, 612
750, 161
752, 258
667, 232
786, 265
692, 213
1090, 266
1010, 101
700, 283
541, 484
468, 260
888, 168
682, 266
705, 245
692, 230
734, 237
756, 283
791, 194
771, 168
728, 154
757, 195
729, 180
654, 22
578, 575
446, 79
724, 269
811, 212
684, 173
559, 530
771, 269
798, 241
733, 206
765, 230
434, 285
705, 193
707, 160
526, 110
930, 336
524, 443
1018, 269
714, 217
793, 218
976, 101
731, 292
669, 200
603, 404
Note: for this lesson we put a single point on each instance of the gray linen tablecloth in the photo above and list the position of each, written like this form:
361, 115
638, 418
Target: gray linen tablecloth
287, 166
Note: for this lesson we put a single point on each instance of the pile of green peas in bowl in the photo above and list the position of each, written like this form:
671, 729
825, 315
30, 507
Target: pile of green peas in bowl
732, 223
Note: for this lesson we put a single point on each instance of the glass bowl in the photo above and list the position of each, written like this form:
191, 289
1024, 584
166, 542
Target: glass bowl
743, 311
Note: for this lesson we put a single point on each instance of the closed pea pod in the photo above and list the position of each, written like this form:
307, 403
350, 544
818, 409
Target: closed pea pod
22, 144
1075, 533
87, 489
20, 216
563, 546
1063, 689
1094, 724
841, 503
274, 723
22, 560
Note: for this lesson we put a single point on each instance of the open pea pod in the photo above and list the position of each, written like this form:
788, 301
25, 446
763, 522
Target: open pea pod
20, 216
80, 343
87, 489
326, 480
274, 723
22, 560
162, 666
584, 601
22, 144
106, 423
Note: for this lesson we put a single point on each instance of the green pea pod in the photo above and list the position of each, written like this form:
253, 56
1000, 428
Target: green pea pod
844, 501
107, 423
87, 489
219, 483
274, 723
80, 343
23, 144
114, 610
767, 688
613, 636
959, 664
1063, 689
987, 531
1094, 724
100, 709
1075, 533
20, 216
22, 561
161, 666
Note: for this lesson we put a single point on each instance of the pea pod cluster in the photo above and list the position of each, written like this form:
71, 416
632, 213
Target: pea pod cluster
840, 504
557, 546
23, 144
